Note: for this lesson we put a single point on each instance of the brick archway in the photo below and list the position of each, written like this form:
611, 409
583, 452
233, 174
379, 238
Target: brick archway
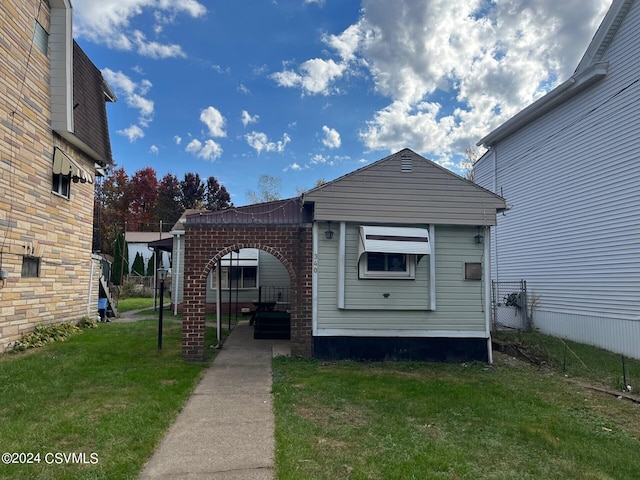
206, 244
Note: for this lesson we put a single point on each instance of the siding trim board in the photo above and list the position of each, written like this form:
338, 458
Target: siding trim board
390, 332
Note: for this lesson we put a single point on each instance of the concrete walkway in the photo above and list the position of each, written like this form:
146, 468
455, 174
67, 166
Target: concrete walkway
226, 429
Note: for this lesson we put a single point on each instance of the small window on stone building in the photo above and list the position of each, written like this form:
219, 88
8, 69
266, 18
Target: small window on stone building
30, 267
41, 38
61, 184
473, 271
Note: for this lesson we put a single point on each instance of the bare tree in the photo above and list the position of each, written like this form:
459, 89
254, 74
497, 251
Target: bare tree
472, 154
269, 189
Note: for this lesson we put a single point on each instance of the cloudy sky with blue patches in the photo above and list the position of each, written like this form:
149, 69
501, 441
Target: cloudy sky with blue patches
305, 90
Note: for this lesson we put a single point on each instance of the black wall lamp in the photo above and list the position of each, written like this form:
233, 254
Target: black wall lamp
479, 237
329, 232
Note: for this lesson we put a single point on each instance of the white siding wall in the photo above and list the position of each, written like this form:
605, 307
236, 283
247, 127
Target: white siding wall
572, 179
459, 310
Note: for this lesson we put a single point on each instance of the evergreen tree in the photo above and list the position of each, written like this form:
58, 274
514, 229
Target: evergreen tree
150, 268
138, 265
120, 268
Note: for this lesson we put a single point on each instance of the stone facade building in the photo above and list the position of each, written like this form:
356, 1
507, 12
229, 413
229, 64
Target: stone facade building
54, 140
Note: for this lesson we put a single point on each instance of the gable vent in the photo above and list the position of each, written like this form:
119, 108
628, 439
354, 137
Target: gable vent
405, 163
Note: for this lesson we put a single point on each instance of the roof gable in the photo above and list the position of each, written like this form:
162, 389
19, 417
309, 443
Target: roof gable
404, 188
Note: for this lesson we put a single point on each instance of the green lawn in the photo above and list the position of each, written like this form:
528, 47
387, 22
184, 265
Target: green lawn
106, 391
389, 420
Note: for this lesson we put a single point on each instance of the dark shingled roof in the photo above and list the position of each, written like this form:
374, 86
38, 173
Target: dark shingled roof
90, 94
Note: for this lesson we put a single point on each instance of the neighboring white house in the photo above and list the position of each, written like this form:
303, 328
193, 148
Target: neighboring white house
569, 168
138, 242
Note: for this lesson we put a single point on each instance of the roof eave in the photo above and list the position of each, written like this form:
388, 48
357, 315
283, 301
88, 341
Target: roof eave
563, 92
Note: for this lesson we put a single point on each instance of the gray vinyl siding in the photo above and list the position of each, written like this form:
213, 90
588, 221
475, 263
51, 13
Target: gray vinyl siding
572, 178
272, 273
384, 193
459, 301
177, 269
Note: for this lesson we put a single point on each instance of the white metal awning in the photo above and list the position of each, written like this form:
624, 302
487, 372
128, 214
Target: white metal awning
394, 240
247, 257
64, 165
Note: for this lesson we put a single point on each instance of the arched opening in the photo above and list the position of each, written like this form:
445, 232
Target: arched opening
205, 249
251, 284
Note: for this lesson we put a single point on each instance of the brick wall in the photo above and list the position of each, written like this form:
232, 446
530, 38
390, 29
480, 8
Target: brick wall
205, 245
32, 218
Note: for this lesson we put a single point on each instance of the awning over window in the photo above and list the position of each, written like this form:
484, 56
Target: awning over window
394, 240
248, 257
63, 165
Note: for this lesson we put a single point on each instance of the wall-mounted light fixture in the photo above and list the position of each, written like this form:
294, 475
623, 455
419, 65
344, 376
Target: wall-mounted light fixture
479, 237
329, 232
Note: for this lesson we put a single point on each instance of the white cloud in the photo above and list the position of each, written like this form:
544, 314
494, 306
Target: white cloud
246, 118
243, 89
452, 70
210, 150
154, 149
319, 159
177, 139
194, 146
260, 142
293, 166
108, 22
214, 121
331, 137
133, 93
317, 76
154, 49
133, 133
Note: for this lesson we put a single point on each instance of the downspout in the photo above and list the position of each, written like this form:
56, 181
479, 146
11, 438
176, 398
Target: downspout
494, 150
486, 278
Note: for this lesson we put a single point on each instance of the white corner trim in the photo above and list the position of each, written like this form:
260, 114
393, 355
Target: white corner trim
432, 268
342, 248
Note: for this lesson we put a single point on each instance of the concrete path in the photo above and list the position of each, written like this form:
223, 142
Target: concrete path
226, 429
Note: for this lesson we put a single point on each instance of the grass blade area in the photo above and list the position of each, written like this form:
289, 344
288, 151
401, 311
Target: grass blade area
419, 420
106, 391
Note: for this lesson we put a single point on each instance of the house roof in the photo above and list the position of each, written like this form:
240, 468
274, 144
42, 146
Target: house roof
145, 237
404, 188
589, 71
90, 94
179, 225
280, 212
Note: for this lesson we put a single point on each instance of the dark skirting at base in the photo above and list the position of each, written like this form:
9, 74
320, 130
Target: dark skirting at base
451, 350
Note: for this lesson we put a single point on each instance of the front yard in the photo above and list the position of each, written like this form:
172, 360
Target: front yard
427, 421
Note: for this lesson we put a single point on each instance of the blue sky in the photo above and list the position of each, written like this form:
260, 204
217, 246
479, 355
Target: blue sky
305, 90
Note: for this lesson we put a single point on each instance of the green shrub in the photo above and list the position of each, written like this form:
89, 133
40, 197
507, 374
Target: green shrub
44, 334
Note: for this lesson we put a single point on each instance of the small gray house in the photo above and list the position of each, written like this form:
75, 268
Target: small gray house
389, 261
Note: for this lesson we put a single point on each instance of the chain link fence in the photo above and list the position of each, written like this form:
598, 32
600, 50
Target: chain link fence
510, 306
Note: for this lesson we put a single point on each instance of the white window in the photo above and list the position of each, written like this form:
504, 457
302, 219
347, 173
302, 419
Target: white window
236, 277
387, 265
61, 185
41, 38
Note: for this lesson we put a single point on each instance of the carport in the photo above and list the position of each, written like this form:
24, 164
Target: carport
282, 228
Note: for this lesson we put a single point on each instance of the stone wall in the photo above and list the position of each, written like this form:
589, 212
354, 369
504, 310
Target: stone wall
34, 220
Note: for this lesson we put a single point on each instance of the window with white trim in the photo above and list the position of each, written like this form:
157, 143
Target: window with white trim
236, 277
61, 185
387, 265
